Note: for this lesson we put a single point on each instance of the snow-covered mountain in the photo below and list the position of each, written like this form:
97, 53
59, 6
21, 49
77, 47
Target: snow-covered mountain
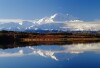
57, 21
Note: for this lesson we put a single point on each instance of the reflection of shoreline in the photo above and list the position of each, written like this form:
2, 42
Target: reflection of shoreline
24, 44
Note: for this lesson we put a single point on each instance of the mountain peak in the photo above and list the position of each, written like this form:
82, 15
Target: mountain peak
57, 17
53, 16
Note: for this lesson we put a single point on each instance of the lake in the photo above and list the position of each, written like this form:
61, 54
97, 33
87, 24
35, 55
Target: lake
78, 55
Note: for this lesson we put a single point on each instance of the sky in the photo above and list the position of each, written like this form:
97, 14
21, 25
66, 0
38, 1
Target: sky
35, 9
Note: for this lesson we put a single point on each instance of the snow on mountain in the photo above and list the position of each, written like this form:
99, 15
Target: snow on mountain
57, 21
44, 20
16, 25
58, 17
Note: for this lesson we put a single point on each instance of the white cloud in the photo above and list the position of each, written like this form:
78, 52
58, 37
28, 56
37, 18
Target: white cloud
81, 48
82, 25
5, 54
10, 20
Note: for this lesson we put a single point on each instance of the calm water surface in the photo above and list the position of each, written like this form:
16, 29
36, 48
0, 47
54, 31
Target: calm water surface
52, 56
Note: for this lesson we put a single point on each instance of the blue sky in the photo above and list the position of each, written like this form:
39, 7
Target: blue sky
34, 9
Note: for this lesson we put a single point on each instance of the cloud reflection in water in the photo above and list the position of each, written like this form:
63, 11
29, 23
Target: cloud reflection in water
67, 49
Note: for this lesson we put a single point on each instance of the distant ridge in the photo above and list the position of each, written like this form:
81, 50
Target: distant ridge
56, 22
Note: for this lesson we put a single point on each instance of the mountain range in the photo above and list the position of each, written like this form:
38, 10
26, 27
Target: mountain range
56, 22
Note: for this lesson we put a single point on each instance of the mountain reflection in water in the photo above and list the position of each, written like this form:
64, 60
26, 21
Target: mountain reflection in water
49, 51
